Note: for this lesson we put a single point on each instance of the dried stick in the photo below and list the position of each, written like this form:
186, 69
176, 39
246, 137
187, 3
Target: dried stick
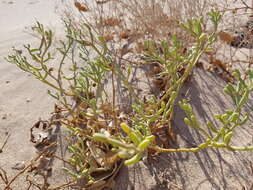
31, 163
5, 141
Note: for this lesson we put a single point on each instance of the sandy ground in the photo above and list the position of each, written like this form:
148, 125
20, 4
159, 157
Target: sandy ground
23, 100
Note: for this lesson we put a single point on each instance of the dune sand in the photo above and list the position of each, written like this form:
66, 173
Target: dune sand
23, 100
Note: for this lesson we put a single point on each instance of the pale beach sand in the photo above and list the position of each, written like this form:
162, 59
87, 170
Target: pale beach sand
23, 99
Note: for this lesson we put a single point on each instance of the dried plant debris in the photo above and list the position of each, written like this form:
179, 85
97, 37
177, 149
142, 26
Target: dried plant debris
81, 7
7, 135
226, 37
111, 21
42, 135
99, 162
165, 135
242, 38
3, 176
223, 69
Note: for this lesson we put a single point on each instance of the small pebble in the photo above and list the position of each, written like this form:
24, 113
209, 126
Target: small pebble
7, 81
28, 100
4, 116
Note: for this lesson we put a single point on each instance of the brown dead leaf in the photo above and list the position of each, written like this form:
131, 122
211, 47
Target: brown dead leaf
124, 35
81, 7
226, 37
111, 21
